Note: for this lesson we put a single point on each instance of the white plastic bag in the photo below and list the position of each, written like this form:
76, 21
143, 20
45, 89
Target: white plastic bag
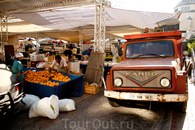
46, 107
40, 65
29, 100
66, 105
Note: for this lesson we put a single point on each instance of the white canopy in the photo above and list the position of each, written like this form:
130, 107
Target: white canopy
66, 19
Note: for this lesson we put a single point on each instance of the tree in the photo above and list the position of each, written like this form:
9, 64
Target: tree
192, 39
191, 43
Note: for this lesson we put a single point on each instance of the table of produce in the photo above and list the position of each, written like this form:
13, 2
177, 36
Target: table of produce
43, 77
44, 83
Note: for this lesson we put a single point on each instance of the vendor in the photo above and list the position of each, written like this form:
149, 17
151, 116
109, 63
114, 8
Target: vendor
52, 50
115, 57
68, 52
61, 64
146, 30
90, 50
73, 56
17, 70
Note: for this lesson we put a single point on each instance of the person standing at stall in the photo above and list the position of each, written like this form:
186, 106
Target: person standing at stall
17, 69
60, 63
68, 52
90, 50
52, 50
146, 30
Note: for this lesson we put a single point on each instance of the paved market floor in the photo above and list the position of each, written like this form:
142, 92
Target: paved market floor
93, 112
189, 120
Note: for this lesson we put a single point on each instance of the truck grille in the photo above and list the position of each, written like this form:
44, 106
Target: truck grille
142, 78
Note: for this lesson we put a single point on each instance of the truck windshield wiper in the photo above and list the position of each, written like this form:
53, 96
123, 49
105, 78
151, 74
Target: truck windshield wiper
147, 54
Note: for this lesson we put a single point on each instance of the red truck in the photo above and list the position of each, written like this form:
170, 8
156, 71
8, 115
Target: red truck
150, 70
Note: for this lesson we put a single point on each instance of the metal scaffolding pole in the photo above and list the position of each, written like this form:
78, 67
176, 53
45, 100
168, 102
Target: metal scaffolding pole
81, 41
99, 26
37, 42
4, 33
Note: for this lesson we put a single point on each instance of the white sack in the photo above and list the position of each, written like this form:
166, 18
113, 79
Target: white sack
40, 65
46, 107
66, 105
29, 100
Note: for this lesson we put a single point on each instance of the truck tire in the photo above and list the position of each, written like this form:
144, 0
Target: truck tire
181, 107
113, 102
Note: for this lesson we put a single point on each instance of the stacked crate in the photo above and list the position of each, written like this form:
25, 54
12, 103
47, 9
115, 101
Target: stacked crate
50, 60
91, 89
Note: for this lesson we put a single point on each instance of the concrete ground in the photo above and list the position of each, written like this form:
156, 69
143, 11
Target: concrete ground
93, 112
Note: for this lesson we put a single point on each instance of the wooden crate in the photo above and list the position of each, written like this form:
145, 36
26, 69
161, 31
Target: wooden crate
91, 89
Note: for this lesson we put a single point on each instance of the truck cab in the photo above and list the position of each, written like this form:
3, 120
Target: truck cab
150, 70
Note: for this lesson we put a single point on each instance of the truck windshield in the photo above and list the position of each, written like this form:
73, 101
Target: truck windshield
150, 49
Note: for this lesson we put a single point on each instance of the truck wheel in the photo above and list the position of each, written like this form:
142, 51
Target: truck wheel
181, 107
113, 102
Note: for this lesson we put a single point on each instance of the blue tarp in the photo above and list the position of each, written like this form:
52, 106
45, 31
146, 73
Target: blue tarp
73, 88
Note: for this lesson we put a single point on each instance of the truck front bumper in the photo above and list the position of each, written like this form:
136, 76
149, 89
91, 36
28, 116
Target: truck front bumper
146, 96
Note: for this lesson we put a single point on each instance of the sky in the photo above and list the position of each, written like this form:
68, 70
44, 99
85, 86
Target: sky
166, 6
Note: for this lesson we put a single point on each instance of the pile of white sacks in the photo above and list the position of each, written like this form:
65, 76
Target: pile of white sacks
48, 106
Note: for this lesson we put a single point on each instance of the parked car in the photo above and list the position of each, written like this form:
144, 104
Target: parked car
11, 93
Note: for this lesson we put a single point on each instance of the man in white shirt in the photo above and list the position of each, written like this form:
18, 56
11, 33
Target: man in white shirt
60, 63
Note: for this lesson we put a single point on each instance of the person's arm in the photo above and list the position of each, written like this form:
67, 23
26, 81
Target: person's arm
51, 65
66, 71
20, 70
18, 74
65, 67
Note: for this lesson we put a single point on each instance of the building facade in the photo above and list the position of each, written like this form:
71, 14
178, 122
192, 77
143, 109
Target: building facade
187, 17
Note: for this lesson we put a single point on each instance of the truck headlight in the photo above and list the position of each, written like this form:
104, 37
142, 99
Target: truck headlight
118, 82
164, 82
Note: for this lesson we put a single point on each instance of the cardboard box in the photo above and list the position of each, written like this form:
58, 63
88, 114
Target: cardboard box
91, 89
28, 64
51, 58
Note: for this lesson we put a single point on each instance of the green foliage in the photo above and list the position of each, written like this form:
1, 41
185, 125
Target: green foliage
189, 47
58, 54
192, 45
192, 39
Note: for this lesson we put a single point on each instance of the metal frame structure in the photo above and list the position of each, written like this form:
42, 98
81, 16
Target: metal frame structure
99, 25
37, 42
44, 5
81, 41
4, 32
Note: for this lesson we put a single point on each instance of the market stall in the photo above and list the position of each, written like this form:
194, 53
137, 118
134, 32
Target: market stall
72, 88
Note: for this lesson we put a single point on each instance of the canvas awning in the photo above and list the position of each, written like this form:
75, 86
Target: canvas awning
56, 17
66, 24
72, 36
66, 19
